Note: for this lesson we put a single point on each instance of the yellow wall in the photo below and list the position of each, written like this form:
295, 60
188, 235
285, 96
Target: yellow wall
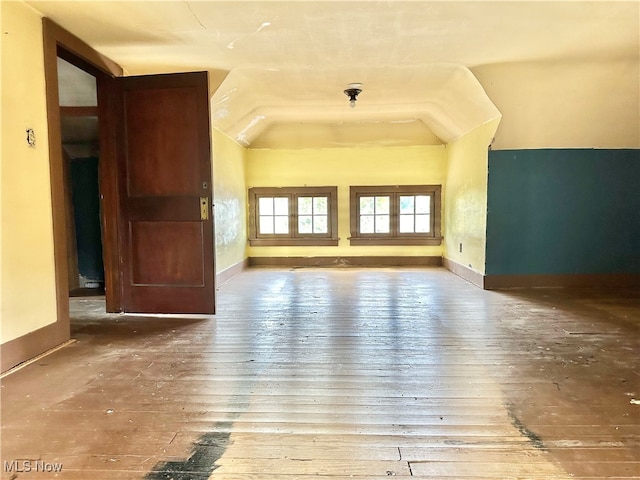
230, 200
565, 104
343, 167
28, 277
465, 198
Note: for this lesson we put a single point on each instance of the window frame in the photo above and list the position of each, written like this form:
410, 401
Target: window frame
394, 237
293, 237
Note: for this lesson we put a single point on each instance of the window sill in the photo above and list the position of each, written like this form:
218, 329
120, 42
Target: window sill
429, 241
293, 242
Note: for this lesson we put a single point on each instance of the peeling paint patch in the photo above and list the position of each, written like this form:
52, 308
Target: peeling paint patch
242, 136
228, 221
220, 113
226, 97
263, 26
231, 45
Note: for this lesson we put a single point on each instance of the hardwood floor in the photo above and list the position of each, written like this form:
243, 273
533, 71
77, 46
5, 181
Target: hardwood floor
339, 374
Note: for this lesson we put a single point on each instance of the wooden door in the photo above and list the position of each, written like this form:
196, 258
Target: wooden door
157, 128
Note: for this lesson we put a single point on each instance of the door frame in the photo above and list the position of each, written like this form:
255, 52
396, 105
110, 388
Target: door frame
58, 42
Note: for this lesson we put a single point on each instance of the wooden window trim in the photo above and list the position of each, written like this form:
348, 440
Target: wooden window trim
293, 238
434, 237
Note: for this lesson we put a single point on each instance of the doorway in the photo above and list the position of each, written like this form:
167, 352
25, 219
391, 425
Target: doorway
79, 120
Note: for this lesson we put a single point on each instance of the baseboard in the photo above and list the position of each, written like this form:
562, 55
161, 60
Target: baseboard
364, 261
230, 272
21, 349
615, 280
469, 275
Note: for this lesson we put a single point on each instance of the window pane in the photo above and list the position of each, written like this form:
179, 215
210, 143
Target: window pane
281, 206
406, 223
305, 224
366, 205
320, 205
266, 224
406, 204
305, 205
366, 223
423, 204
382, 205
320, 224
423, 223
382, 224
265, 205
281, 224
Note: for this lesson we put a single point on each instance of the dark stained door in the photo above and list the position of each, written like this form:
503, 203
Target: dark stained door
161, 141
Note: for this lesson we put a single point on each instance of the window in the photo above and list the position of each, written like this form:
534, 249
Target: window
395, 215
293, 216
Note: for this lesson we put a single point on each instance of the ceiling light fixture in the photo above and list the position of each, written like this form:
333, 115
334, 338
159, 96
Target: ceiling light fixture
352, 92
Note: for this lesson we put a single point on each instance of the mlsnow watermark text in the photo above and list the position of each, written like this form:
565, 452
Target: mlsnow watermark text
27, 466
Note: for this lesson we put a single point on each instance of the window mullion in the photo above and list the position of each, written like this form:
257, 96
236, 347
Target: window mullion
432, 214
273, 216
395, 214
415, 214
293, 215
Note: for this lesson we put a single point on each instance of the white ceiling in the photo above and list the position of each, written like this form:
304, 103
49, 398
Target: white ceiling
282, 66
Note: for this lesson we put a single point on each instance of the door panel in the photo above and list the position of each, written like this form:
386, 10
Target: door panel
156, 263
164, 168
162, 130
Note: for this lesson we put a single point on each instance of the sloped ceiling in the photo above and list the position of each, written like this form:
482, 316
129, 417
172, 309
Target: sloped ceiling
444, 102
279, 68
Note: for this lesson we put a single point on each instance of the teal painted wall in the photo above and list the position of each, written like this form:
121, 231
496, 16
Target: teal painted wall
563, 212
